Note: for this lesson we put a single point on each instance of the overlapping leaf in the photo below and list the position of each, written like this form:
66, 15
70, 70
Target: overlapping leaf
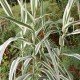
15, 64
6, 7
4, 45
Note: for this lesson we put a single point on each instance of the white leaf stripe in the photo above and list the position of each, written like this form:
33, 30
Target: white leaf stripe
4, 45
77, 56
19, 23
77, 31
15, 64
6, 7
39, 44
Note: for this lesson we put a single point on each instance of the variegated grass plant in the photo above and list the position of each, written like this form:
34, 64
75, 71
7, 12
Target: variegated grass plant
39, 65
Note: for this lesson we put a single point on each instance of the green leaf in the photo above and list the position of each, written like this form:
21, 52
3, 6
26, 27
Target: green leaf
39, 44
26, 12
61, 41
63, 72
4, 45
51, 70
38, 47
77, 56
77, 31
24, 77
34, 6
47, 72
46, 23
25, 64
19, 23
66, 14
26, 42
53, 58
14, 66
43, 55
6, 7
63, 78
69, 24
39, 18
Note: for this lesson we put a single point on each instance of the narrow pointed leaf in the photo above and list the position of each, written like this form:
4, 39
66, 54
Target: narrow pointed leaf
19, 23
69, 24
27, 12
77, 31
26, 62
39, 44
49, 75
6, 7
24, 77
4, 45
14, 66
77, 56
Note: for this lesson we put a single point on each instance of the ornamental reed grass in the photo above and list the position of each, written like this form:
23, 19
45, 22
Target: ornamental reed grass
39, 64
